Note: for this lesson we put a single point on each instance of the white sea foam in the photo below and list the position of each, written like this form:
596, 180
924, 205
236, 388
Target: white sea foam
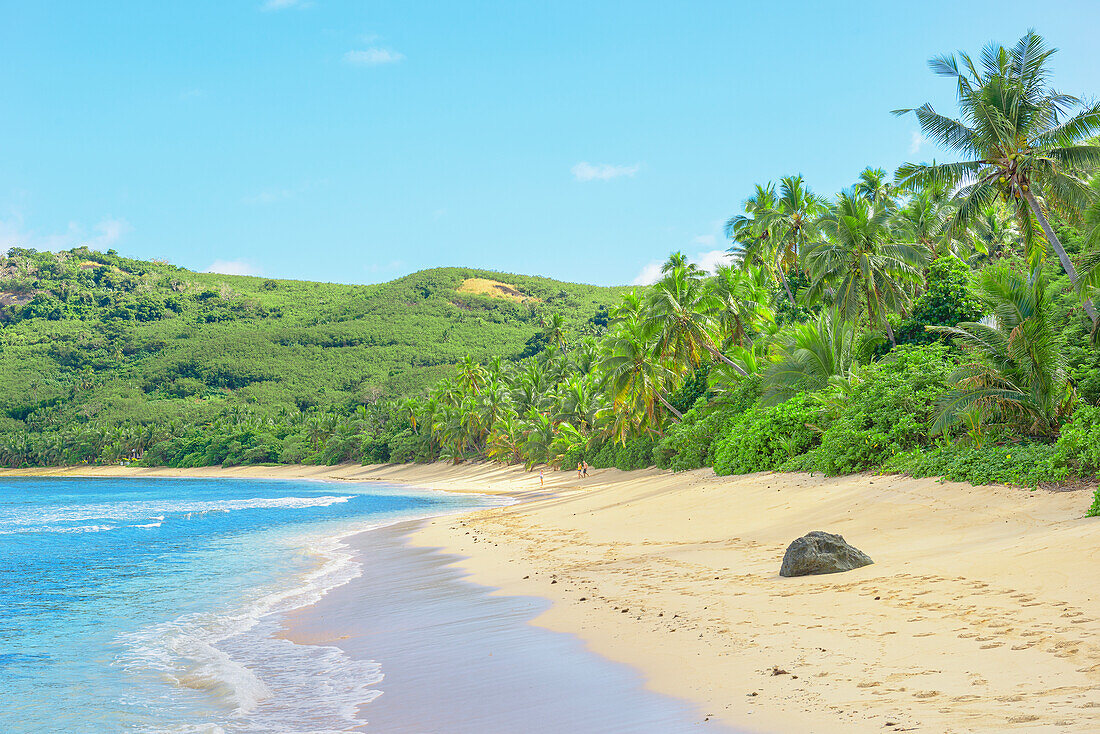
60, 529
40, 521
264, 682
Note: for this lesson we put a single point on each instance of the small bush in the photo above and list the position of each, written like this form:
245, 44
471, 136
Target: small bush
1079, 444
1024, 464
888, 411
765, 437
1094, 511
689, 444
637, 453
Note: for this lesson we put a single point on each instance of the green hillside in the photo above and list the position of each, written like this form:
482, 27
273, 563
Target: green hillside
89, 338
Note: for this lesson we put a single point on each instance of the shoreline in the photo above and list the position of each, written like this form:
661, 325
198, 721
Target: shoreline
981, 612
414, 613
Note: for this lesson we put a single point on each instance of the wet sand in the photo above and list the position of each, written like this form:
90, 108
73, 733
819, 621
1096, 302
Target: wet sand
462, 660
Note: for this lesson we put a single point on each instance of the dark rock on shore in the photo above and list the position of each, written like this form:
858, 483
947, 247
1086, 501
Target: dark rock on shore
820, 552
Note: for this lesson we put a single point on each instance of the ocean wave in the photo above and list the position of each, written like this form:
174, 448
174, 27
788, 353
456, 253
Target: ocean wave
149, 510
263, 682
60, 529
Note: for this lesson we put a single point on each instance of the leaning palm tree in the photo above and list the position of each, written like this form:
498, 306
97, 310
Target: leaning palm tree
858, 268
810, 355
1018, 371
1019, 140
635, 377
678, 316
742, 307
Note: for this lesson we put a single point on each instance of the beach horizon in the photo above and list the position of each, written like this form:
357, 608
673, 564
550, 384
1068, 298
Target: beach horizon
676, 575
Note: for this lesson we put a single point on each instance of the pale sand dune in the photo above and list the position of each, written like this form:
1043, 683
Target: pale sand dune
981, 613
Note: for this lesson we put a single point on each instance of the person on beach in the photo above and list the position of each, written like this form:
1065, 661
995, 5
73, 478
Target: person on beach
541, 483
584, 466
580, 470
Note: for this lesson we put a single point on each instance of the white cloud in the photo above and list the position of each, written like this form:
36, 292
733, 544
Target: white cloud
284, 4
234, 267
916, 141
111, 231
649, 275
585, 171
373, 57
104, 234
708, 260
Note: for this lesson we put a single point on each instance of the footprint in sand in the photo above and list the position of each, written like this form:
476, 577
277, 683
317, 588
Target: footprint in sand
926, 694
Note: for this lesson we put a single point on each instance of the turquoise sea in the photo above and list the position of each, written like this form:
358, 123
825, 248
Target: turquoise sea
138, 605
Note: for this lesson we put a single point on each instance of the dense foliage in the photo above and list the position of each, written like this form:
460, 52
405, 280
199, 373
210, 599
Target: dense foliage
105, 357
939, 324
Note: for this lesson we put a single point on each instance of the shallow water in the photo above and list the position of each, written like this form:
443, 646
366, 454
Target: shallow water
136, 605
458, 659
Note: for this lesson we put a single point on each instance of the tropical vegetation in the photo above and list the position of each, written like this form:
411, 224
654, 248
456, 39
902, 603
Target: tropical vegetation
938, 321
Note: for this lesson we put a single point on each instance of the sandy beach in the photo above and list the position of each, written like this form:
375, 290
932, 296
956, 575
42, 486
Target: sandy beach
981, 612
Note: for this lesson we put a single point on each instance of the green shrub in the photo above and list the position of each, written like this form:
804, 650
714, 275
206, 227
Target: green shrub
573, 456
689, 444
948, 300
1023, 464
605, 457
888, 410
763, 438
636, 453
1094, 511
1079, 444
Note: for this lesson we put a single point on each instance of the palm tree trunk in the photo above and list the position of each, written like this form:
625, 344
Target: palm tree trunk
890, 332
1067, 265
678, 414
786, 286
714, 352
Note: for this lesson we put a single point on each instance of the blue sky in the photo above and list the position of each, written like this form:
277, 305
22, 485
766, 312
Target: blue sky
359, 141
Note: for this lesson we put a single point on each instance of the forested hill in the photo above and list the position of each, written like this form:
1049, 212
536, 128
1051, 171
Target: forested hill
89, 338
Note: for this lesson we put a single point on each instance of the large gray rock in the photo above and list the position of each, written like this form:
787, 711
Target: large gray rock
819, 552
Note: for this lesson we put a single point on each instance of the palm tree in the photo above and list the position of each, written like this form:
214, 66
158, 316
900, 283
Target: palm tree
993, 232
925, 219
1020, 140
858, 266
680, 260
507, 439
742, 303
636, 379
1019, 371
679, 319
470, 375
751, 238
554, 331
810, 355
873, 186
792, 223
